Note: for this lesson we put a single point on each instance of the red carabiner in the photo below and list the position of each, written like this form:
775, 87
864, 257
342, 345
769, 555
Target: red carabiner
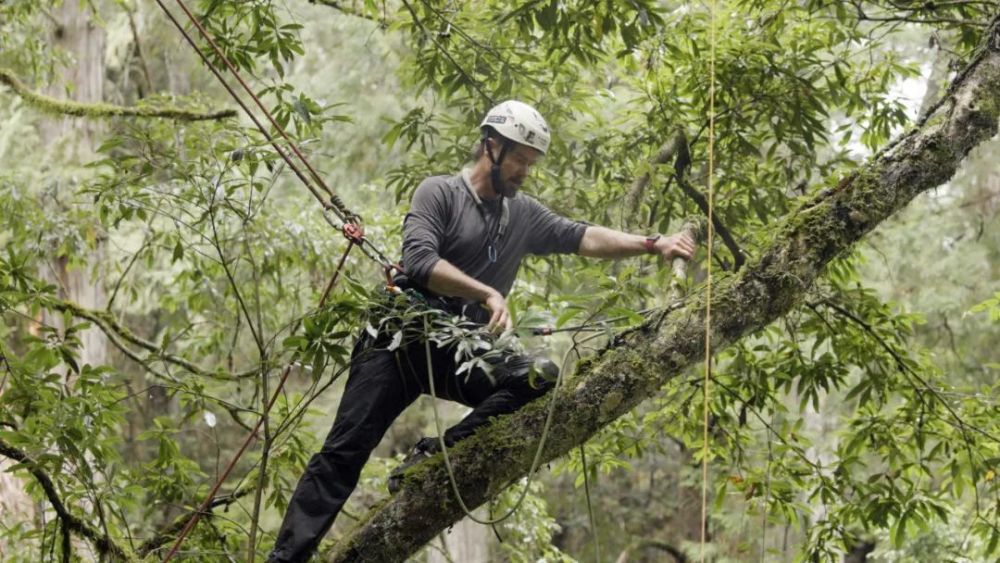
354, 232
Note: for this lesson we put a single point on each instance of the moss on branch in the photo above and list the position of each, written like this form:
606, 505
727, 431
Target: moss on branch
52, 105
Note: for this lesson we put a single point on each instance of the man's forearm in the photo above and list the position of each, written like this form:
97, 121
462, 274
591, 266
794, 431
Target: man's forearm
447, 280
601, 242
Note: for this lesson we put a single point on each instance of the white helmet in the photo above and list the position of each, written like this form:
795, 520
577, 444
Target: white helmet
520, 123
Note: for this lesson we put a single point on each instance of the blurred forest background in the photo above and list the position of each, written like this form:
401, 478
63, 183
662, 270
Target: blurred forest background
156, 272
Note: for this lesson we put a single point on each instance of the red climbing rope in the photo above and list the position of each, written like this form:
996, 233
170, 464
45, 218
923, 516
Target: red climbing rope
350, 227
203, 509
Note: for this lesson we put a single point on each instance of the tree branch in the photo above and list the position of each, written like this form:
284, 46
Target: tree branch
669, 149
104, 544
738, 258
912, 19
639, 362
350, 11
116, 333
99, 110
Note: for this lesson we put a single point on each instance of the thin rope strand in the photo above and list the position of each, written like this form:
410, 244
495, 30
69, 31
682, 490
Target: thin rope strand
203, 509
708, 287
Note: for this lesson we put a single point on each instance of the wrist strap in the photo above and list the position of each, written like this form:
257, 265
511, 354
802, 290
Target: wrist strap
650, 243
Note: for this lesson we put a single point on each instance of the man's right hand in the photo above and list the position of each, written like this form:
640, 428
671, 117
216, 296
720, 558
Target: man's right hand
446, 279
500, 319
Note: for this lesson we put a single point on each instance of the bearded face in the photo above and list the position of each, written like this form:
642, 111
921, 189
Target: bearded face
515, 167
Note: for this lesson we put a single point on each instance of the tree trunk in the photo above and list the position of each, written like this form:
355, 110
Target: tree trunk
639, 362
73, 141
70, 141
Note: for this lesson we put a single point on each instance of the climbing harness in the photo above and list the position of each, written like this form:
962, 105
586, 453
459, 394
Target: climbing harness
497, 183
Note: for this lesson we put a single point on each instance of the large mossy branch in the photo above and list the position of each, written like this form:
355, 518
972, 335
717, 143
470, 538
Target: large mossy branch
641, 361
51, 105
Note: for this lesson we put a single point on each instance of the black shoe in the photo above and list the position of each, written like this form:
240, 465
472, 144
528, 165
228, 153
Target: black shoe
425, 448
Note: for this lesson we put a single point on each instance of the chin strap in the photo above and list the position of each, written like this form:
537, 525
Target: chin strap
495, 162
501, 223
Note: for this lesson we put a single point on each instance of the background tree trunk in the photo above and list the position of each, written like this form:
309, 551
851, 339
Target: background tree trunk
465, 542
72, 142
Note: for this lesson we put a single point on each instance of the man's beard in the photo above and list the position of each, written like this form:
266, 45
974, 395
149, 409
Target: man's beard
509, 188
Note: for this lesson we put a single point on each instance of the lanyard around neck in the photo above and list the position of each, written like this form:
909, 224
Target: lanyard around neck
501, 224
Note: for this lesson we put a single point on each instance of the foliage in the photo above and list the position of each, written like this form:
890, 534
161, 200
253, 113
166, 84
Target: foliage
840, 422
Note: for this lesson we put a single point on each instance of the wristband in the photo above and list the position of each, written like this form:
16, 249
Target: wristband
650, 243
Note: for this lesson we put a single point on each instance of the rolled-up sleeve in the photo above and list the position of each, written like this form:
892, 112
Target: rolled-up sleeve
552, 233
424, 229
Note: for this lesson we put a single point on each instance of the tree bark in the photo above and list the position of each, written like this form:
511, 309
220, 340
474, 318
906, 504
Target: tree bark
639, 362
73, 141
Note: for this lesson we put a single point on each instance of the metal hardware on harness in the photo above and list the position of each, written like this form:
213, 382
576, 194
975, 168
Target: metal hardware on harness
354, 232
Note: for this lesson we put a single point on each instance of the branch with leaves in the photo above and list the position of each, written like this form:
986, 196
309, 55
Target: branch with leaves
119, 335
104, 544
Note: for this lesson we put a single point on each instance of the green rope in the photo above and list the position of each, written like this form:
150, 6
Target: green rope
444, 448
590, 506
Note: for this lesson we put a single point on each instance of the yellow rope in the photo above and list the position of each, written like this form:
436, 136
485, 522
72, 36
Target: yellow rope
708, 286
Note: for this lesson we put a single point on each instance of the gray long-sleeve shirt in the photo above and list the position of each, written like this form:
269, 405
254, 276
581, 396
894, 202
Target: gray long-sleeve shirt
445, 223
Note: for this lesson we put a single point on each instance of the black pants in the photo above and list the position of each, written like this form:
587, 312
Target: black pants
380, 386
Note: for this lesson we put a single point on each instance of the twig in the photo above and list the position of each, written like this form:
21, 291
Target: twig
128, 268
339, 6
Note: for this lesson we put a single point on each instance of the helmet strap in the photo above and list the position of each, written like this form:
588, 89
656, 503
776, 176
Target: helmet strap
496, 161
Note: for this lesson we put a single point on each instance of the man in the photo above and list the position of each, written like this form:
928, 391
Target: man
463, 241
